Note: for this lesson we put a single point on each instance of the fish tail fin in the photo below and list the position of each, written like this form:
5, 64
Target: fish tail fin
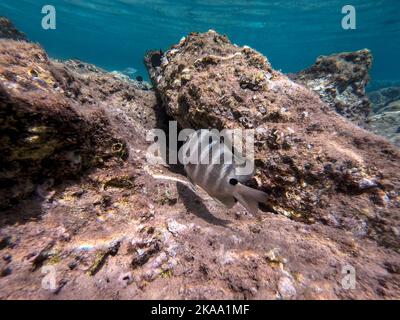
249, 197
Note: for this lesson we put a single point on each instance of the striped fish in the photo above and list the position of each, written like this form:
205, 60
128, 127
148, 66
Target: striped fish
205, 164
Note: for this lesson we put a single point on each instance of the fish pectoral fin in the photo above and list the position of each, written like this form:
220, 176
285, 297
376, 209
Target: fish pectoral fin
249, 197
227, 201
250, 204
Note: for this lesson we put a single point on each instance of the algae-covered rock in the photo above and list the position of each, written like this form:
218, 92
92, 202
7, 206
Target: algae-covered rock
311, 161
37, 123
340, 81
8, 30
51, 126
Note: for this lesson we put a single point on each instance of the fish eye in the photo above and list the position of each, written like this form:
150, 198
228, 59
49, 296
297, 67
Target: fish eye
233, 181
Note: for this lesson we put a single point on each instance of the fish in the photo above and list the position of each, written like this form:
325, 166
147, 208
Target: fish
204, 159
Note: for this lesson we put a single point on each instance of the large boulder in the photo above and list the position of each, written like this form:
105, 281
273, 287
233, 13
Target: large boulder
340, 81
53, 125
315, 165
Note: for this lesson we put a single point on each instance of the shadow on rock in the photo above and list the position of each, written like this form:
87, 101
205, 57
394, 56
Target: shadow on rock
193, 204
23, 212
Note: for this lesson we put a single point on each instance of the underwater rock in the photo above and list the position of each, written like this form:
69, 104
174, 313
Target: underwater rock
310, 160
140, 84
8, 30
387, 124
382, 99
385, 120
52, 125
42, 134
102, 255
286, 288
340, 81
92, 71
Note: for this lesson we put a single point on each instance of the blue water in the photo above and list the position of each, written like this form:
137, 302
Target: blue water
115, 34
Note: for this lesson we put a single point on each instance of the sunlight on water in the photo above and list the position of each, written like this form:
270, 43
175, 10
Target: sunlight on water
116, 34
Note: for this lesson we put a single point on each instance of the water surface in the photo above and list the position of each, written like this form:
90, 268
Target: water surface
115, 34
